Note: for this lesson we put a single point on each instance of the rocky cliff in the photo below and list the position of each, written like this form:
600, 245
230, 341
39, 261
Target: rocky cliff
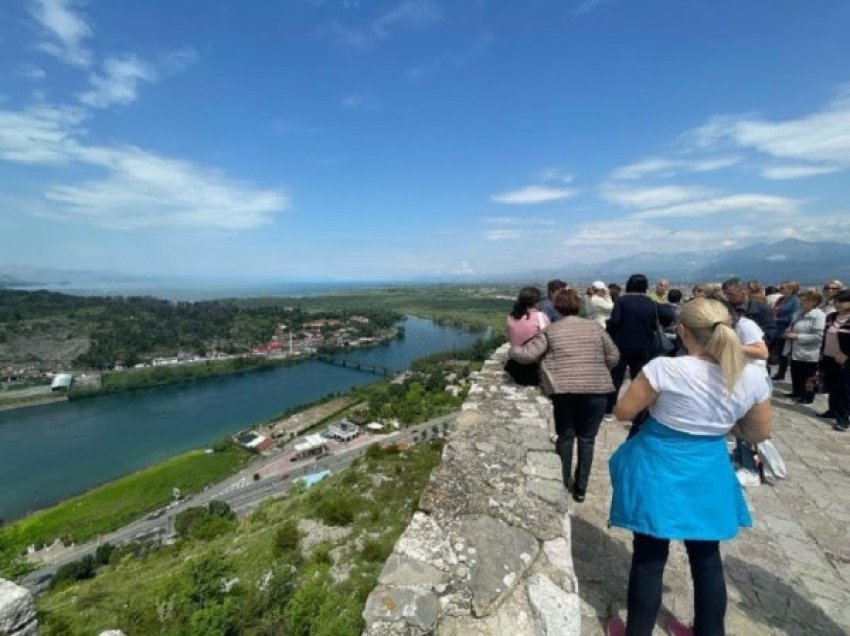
489, 550
17, 611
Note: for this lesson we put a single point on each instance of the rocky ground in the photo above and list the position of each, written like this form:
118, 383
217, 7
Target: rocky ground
789, 575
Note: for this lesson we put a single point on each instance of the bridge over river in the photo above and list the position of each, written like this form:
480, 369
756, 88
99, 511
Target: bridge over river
367, 367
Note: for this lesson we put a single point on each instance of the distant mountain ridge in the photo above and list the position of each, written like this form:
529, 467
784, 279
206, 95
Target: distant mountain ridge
807, 262
26, 276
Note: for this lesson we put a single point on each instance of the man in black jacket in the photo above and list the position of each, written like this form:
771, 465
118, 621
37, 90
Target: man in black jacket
739, 296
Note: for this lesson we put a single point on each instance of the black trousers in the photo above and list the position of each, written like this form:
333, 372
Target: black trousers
781, 360
645, 583
577, 418
800, 372
836, 381
631, 359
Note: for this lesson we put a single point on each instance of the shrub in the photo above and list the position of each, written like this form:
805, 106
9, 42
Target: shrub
221, 509
287, 538
186, 520
103, 553
74, 571
336, 510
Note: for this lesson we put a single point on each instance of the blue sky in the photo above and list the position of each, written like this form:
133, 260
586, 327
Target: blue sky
310, 139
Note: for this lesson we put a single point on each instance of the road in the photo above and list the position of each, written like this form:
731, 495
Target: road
240, 491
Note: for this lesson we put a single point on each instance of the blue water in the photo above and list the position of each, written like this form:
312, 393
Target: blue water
52, 452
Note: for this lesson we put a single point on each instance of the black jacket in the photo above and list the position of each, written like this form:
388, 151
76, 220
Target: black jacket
633, 321
762, 316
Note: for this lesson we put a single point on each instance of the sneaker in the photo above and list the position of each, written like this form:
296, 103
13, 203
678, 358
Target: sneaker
615, 627
608, 417
553, 437
841, 428
747, 477
578, 497
675, 628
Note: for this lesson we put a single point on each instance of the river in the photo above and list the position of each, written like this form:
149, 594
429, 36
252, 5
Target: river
52, 452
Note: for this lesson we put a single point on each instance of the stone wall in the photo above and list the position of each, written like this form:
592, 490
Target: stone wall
488, 552
17, 611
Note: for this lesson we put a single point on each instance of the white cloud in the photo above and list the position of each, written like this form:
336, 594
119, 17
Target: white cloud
412, 13
533, 194
119, 82
140, 189
352, 101
456, 60
555, 175
502, 235
796, 171
820, 137
753, 203
665, 167
515, 220
464, 269
66, 29
586, 6
32, 73
651, 197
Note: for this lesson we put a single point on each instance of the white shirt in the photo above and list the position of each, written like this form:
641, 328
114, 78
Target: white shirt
692, 394
749, 333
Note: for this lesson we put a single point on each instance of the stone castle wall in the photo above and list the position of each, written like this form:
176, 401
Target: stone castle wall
488, 552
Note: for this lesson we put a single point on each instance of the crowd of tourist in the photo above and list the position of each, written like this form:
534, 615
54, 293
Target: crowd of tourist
700, 373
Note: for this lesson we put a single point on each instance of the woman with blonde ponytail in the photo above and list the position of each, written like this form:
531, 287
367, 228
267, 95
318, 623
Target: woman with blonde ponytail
673, 480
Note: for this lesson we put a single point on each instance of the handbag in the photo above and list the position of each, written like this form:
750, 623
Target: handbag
774, 466
661, 343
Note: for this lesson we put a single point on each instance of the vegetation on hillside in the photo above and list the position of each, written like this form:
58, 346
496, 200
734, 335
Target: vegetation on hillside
133, 329
117, 503
263, 575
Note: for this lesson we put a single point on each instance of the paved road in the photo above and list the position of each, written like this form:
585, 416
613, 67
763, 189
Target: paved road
240, 491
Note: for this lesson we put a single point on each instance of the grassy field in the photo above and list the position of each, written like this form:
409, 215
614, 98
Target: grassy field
113, 505
280, 587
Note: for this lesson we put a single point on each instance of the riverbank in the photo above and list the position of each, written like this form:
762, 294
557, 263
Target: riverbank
117, 503
11, 403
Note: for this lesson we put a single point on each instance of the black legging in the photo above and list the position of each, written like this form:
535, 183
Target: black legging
800, 372
645, 580
577, 418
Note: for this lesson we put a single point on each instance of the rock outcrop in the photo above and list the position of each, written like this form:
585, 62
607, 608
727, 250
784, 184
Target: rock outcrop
489, 550
17, 610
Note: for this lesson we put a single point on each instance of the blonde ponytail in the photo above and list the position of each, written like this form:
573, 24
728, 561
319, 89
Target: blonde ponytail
711, 325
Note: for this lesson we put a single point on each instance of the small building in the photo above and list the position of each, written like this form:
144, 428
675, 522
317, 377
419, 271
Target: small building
344, 431
62, 382
375, 426
311, 445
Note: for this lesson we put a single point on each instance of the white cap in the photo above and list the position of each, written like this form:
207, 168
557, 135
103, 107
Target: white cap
598, 284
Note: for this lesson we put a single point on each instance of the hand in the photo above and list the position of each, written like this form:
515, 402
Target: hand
840, 358
790, 335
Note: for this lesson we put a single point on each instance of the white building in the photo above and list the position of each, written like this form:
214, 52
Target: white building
344, 431
310, 445
62, 382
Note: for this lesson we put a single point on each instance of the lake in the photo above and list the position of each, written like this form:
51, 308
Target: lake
52, 452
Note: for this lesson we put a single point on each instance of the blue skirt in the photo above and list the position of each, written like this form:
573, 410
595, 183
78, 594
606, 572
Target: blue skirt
673, 485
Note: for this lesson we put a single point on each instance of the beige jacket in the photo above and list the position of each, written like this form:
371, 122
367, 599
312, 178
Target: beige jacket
577, 355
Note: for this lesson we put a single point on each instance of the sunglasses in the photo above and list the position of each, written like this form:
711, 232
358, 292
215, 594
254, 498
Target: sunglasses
830, 287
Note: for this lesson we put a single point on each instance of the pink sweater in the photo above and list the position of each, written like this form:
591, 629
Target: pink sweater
524, 329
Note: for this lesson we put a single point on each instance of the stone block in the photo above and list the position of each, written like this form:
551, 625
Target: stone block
503, 554
556, 612
17, 610
417, 607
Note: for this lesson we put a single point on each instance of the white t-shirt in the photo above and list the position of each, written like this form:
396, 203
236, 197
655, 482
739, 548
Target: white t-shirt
749, 333
692, 395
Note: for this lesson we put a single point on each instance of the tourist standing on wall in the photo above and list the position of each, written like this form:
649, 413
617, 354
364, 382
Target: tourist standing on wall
614, 291
830, 289
632, 326
673, 480
836, 361
524, 322
659, 294
784, 311
599, 303
738, 294
546, 306
575, 356
803, 345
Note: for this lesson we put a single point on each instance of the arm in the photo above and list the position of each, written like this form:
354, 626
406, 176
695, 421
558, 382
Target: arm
532, 350
614, 321
639, 396
816, 333
757, 425
612, 354
756, 350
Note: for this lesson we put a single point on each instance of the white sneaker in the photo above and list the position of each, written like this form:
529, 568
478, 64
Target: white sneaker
747, 477
608, 417
553, 437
